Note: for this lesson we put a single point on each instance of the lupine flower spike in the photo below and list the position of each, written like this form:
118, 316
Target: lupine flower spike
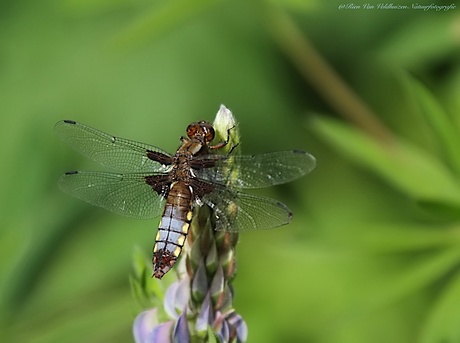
199, 305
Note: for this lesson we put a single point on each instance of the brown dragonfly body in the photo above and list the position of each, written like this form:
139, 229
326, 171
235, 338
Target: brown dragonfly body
183, 190
152, 182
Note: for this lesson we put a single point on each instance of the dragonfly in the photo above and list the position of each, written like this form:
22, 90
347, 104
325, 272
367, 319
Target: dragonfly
149, 182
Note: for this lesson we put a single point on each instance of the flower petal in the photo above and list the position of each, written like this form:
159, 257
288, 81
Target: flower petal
224, 121
200, 283
169, 300
181, 333
183, 294
217, 284
222, 331
206, 316
238, 327
143, 325
161, 333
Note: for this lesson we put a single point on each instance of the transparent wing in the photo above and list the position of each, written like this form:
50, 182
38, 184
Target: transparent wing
125, 194
254, 171
237, 211
117, 153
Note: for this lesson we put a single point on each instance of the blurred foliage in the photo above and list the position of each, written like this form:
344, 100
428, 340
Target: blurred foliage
372, 254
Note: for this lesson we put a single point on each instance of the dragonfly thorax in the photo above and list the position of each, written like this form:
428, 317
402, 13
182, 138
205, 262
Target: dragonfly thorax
181, 169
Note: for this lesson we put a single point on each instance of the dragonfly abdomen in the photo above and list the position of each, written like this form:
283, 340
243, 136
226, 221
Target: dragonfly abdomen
173, 228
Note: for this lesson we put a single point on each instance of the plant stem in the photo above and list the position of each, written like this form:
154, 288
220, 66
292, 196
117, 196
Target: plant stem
322, 77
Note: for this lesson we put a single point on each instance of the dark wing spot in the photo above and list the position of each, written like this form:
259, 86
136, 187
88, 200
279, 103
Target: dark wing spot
298, 152
159, 183
159, 157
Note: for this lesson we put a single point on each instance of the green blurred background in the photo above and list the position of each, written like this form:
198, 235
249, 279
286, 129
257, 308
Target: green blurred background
373, 252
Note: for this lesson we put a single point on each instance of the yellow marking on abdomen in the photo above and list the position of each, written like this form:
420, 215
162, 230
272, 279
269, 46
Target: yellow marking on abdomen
181, 240
185, 228
177, 251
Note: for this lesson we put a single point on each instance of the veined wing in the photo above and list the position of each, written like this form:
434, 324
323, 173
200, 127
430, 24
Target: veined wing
114, 152
125, 194
237, 211
254, 171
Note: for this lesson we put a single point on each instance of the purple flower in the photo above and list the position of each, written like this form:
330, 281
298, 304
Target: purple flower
147, 328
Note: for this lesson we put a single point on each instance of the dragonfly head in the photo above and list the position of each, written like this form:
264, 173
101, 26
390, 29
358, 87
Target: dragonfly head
202, 131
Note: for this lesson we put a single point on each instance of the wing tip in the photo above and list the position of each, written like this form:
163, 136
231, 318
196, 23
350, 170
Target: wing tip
288, 212
310, 159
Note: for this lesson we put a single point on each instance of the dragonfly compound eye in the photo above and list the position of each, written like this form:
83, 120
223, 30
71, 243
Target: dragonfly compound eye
192, 129
209, 134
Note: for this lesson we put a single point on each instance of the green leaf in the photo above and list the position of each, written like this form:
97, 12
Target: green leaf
439, 210
410, 279
409, 168
391, 237
443, 323
444, 128
419, 41
212, 338
146, 290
